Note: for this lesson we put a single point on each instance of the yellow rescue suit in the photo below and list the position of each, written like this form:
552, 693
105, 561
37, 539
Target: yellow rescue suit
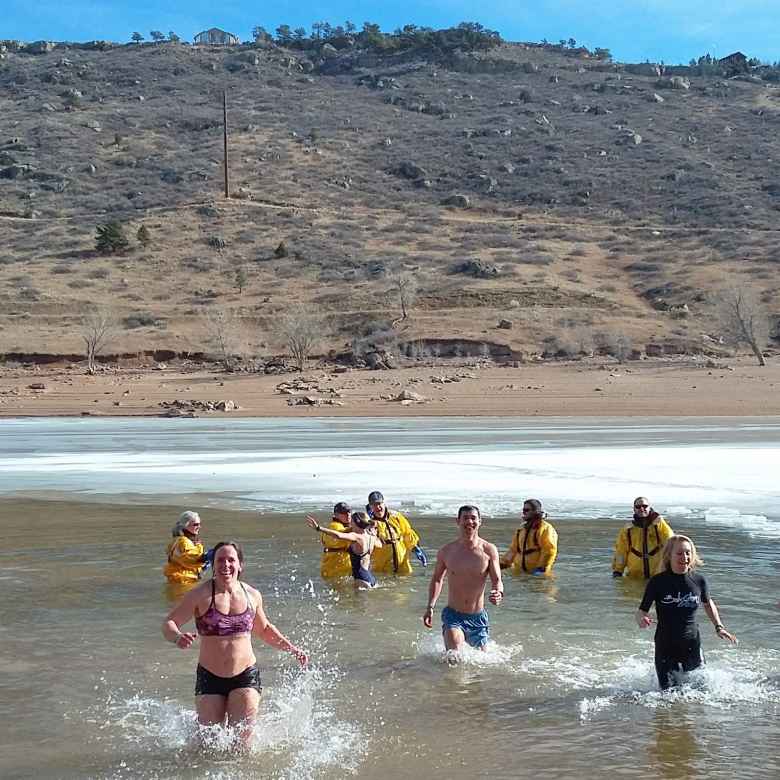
534, 546
185, 560
335, 558
638, 549
398, 540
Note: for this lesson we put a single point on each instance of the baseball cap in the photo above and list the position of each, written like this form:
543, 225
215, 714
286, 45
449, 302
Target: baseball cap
375, 496
342, 508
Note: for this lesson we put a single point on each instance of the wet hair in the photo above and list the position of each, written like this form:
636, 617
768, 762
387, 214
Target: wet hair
643, 499
362, 520
536, 506
229, 543
183, 522
668, 551
469, 508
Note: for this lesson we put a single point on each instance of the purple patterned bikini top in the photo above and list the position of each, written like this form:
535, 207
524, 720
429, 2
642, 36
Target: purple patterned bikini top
215, 623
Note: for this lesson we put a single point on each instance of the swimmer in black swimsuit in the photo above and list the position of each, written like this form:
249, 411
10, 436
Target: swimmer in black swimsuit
363, 541
677, 591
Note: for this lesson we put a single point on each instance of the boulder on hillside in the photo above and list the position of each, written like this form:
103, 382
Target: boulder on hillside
39, 47
410, 170
476, 268
673, 82
457, 201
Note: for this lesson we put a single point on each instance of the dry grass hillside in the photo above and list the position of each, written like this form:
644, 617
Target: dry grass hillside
603, 209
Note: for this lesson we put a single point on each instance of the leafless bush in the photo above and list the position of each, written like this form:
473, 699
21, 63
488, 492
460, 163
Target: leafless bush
742, 319
616, 344
301, 328
96, 327
405, 287
223, 333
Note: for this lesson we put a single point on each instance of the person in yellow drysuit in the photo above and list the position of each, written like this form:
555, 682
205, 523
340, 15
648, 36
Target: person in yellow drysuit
534, 546
398, 538
335, 552
639, 545
186, 556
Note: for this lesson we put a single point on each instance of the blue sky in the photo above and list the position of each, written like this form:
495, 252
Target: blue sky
634, 30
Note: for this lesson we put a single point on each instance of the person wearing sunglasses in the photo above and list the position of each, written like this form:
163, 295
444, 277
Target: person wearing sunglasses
186, 556
639, 545
534, 546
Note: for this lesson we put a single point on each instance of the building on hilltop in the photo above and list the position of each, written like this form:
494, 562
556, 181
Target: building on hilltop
217, 37
735, 63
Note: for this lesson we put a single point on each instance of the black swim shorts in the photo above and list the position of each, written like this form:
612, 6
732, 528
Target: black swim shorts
208, 684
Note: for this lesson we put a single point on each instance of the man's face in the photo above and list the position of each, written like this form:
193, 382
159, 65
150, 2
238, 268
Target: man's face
342, 517
469, 521
378, 508
641, 507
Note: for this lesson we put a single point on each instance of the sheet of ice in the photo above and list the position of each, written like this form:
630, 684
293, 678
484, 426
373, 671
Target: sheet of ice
584, 468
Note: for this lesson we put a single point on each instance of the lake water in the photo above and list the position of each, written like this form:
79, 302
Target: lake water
88, 687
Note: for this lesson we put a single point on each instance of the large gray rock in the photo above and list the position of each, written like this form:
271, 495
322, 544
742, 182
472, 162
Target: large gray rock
457, 201
476, 268
40, 47
410, 170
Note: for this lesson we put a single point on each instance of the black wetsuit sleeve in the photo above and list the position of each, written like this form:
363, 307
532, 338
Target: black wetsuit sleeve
705, 591
649, 597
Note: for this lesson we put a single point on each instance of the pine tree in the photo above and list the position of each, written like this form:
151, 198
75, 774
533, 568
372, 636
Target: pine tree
144, 236
111, 238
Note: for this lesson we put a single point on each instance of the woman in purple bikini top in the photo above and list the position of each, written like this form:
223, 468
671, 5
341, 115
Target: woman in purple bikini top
215, 623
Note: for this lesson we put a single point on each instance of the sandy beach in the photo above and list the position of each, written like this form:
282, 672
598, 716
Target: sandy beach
646, 388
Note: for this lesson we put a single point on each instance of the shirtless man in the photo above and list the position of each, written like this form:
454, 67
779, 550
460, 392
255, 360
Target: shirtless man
469, 561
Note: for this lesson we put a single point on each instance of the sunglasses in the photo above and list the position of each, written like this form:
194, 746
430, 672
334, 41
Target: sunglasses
641, 506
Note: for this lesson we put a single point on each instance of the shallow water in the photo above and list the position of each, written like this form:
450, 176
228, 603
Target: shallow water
88, 687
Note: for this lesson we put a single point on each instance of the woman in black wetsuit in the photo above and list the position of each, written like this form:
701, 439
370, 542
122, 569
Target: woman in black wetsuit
363, 541
677, 591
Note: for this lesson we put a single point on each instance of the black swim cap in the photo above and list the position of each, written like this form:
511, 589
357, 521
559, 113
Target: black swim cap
375, 496
342, 508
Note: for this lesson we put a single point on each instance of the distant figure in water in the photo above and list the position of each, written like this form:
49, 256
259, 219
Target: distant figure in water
362, 542
534, 546
639, 545
226, 614
467, 562
335, 552
186, 556
677, 592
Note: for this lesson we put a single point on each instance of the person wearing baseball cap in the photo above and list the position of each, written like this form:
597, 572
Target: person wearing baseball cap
335, 552
398, 538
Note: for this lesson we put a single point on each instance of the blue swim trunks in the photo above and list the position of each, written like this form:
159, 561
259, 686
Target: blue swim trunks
474, 625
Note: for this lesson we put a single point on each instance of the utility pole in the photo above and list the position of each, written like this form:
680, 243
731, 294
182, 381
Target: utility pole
224, 125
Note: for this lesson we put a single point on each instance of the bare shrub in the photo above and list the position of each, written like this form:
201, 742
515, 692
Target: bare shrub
405, 287
743, 320
616, 344
223, 334
301, 330
96, 327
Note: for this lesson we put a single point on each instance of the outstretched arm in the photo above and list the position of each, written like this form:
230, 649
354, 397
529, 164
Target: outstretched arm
271, 635
348, 536
712, 613
434, 589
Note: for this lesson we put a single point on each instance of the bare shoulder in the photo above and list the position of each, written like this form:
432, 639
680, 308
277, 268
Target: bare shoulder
254, 594
489, 548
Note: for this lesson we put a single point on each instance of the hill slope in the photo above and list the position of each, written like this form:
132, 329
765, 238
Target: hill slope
604, 205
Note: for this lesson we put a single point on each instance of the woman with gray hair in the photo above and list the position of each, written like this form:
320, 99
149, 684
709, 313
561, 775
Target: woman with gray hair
186, 556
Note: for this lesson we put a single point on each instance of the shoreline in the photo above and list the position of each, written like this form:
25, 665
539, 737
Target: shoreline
577, 389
